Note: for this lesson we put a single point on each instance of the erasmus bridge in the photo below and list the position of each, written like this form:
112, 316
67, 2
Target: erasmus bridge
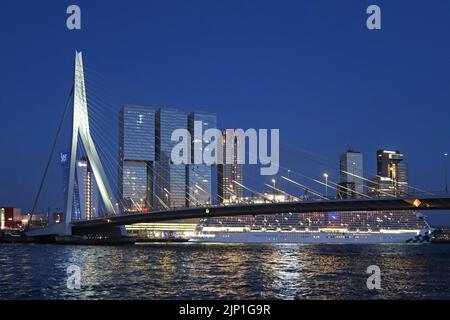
111, 222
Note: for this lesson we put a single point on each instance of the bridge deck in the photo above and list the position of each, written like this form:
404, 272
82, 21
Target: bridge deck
424, 203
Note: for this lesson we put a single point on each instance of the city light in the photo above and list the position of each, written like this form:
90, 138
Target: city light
325, 175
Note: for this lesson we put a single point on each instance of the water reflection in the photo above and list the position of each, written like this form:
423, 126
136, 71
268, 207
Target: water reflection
196, 271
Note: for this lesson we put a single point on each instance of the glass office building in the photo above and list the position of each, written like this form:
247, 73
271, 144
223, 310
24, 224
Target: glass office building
137, 156
198, 183
135, 179
170, 179
230, 175
390, 164
352, 182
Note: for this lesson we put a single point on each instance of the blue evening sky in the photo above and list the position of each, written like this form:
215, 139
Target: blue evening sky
308, 67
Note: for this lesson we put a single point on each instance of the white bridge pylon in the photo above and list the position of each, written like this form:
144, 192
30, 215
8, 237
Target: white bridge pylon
80, 130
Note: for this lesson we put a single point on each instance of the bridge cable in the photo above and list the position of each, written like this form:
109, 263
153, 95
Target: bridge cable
58, 133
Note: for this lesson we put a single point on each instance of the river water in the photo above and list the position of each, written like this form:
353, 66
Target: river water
213, 271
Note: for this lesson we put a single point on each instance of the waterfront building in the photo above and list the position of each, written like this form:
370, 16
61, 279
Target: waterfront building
88, 190
65, 166
230, 174
86, 196
137, 156
166, 231
381, 187
10, 218
170, 179
390, 164
199, 176
351, 171
148, 180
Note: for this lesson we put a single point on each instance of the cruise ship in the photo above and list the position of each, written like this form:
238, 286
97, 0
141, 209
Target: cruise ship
362, 227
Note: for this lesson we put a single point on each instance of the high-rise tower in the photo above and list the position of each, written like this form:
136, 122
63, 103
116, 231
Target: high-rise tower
170, 178
137, 157
390, 165
198, 176
351, 167
230, 174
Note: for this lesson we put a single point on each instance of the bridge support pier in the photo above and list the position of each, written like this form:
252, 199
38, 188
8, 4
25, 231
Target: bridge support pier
101, 231
58, 233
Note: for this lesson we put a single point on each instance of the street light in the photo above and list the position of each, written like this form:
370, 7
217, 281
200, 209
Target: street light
273, 182
445, 172
354, 180
325, 175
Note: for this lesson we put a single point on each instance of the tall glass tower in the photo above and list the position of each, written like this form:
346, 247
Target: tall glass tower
230, 174
87, 190
352, 181
170, 179
198, 176
137, 156
390, 165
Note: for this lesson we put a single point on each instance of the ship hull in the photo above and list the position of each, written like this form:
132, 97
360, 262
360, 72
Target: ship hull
413, 236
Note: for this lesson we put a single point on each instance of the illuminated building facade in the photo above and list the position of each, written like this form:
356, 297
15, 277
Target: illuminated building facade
230, 175
170, 179
199, 176
85, 203
137, 156
88, 190
351, 167
390, 165
10, 218
381, 187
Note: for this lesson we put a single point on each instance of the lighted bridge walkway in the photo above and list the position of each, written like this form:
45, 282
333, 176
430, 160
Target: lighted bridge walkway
396, 204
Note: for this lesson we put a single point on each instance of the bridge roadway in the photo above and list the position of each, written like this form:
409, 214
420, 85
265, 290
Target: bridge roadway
420, 204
